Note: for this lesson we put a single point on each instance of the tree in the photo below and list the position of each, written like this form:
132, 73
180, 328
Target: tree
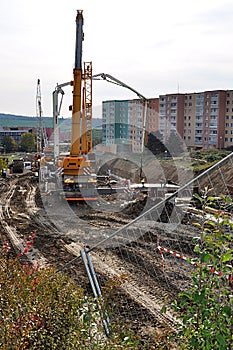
8, 143
28, 142
3, 164
174, 144
154, 144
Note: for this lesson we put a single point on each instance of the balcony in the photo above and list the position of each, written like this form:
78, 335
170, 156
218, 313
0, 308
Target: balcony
198, 142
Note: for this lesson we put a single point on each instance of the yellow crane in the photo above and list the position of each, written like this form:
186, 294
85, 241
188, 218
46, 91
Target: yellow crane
77, 176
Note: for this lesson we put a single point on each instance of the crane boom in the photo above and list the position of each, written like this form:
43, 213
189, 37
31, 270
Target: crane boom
77, 164
77, 87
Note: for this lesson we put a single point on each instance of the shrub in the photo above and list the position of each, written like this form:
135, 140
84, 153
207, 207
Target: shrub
207, 309
43, 309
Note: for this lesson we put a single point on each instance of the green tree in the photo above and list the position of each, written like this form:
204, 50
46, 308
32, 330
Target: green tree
155, 144
9, 144
3, 164
27, 142
174, 144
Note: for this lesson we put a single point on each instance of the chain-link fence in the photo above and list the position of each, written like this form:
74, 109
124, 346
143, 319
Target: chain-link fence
153, 256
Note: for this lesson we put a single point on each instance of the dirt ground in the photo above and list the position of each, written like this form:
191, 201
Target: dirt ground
143, 285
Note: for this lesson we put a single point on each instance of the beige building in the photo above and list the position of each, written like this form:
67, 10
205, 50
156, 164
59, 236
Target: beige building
199, 118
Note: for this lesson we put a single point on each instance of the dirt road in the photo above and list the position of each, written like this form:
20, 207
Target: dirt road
61, 231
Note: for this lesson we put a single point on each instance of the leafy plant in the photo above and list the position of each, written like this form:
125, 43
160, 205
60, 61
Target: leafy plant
43, 309
3, 164
207, 309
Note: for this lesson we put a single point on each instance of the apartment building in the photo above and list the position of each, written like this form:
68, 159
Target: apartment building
152, 115
115, 122
202, 119
199, 118
227, 139
125, 122
171, 114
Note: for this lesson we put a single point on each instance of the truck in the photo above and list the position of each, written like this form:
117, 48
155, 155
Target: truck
17, 166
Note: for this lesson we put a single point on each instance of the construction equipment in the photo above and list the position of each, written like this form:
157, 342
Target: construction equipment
41, 136
17, 166
78, 181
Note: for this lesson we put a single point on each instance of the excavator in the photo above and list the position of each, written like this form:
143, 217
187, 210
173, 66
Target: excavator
78, 181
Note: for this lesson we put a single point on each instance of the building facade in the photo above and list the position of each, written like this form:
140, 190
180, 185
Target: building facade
204, 120
125, 122
16, 134
199, 118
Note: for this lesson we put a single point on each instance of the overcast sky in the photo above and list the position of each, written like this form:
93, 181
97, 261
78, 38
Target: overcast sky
157, 47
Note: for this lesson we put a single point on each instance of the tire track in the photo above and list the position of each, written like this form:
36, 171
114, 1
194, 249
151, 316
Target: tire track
8, 219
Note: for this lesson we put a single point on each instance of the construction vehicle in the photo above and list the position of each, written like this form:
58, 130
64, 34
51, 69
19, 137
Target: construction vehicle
41, 136
78, 181
14, 163
17, 166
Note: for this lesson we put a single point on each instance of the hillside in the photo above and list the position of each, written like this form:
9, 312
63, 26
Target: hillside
13, 121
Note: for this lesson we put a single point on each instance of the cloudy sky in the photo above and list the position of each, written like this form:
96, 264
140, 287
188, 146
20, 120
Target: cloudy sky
156, 47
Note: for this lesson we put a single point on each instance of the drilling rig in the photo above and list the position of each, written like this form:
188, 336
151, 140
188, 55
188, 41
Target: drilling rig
41, 137
77, 178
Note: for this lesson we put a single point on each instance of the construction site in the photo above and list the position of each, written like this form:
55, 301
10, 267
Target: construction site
97, 218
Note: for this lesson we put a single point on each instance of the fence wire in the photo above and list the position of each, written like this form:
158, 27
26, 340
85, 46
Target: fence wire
151, 258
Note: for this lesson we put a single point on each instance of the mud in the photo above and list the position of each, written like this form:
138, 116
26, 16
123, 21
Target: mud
146, 285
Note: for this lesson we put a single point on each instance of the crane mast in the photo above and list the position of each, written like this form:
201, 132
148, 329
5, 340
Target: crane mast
77, 163
87, 109
77, 88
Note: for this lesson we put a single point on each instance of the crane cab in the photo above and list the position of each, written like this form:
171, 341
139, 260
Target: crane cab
76, 165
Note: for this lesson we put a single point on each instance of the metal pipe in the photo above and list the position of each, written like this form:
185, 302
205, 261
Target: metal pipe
83, 255
88, 273
95, 278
